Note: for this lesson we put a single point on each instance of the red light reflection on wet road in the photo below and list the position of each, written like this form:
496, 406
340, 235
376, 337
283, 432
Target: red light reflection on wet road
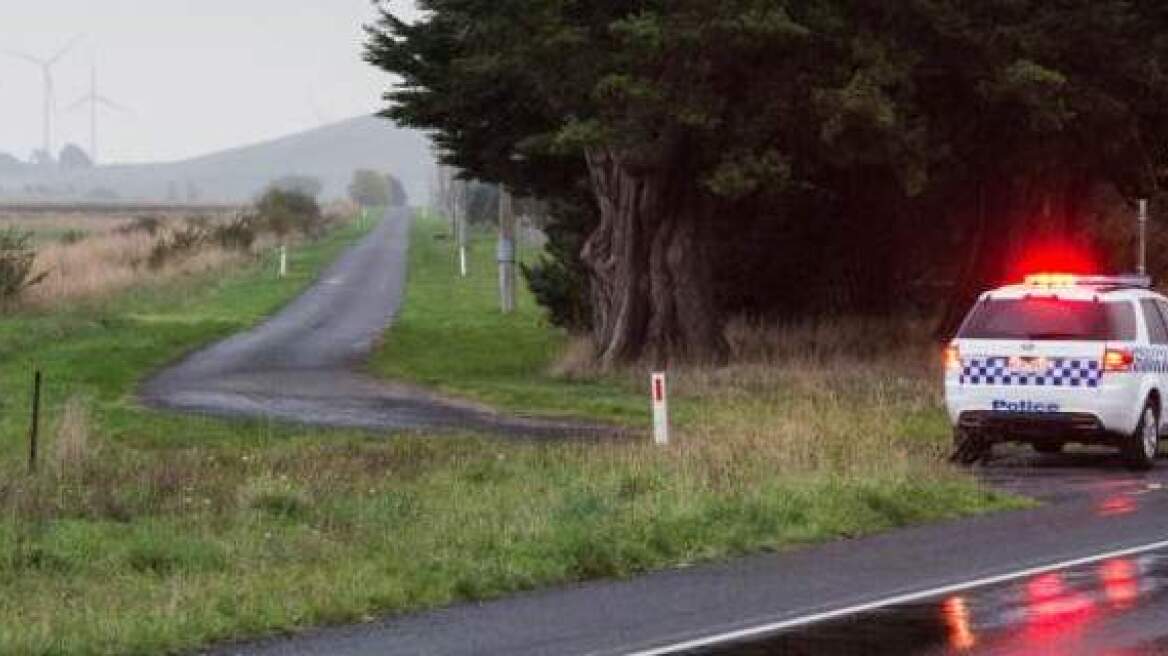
1053, 609
956, 613
1121, 504
1121, 582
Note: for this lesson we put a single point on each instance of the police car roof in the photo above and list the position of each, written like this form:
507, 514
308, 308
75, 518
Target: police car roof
1077, 292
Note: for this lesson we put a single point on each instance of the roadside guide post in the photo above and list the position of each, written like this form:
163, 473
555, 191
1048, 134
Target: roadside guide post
283, 261
660, 409
461, 227
506, 252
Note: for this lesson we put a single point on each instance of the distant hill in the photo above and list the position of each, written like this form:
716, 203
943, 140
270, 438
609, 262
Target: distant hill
331, 153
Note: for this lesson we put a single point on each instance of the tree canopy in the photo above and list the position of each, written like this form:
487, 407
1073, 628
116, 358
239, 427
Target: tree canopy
301, 184
372, 189
779, 157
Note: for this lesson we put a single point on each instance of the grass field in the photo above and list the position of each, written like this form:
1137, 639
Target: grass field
145, 533
451, 336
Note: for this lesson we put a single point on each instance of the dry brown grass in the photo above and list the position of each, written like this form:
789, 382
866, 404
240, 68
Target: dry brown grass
60, 223
105, 264
839, 398
73, 447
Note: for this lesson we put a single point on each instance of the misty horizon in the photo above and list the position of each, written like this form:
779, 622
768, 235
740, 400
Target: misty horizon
304, 71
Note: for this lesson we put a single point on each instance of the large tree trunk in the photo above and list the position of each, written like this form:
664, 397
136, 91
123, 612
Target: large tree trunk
651, 284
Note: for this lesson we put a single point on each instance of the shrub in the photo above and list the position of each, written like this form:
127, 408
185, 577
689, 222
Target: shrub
178, 244
561, 290
73, 237
237, 235
150, 225
284, 211
559, 280
17, 258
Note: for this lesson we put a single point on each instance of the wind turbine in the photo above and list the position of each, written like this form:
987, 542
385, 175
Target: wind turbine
94, 99
46, 66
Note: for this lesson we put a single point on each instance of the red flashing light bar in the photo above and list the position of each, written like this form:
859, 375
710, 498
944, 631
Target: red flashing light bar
1072, 280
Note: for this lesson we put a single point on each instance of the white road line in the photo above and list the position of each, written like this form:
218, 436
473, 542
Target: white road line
776, 627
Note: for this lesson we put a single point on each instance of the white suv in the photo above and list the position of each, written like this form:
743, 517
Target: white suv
1062, 359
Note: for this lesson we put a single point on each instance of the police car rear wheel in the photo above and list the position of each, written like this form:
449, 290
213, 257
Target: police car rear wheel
1142, 447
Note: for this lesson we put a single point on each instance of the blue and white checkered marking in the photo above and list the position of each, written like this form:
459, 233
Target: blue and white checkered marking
1060, 372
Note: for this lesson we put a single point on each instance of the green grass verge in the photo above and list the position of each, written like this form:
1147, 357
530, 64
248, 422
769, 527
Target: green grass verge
452, 337
100, 350
146, 533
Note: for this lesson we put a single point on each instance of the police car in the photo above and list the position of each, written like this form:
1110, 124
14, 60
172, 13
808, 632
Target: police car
1063, 359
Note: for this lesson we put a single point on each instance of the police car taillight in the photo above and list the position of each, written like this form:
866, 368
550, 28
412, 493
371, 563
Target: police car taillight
952, 358
1118, 360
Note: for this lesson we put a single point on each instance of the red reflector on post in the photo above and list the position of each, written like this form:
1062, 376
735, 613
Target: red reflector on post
660, 409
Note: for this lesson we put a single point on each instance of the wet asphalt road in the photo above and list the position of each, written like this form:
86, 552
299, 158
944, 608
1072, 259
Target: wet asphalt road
1093, 506
1116, 605
302, 365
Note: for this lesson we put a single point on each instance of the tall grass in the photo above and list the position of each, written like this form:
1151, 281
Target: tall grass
850, 398
91, 257
108, 263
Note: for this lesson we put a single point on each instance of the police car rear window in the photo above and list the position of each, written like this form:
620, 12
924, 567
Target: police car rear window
1037, 318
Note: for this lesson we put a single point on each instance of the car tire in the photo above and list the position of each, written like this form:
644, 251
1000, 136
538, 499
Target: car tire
1141, 447
969, 448
1049, 448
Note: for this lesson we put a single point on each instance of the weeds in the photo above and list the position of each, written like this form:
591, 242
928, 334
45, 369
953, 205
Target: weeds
73, 236
72, 449
110, 262
17, 258
148, 225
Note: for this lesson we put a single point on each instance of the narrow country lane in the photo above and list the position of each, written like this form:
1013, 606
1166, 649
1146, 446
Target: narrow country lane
301, 365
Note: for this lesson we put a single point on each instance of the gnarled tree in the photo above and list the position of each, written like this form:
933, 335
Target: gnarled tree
670, 112
864, 142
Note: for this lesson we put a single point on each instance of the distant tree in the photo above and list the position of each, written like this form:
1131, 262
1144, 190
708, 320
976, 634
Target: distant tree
42, 159
304, 184
10, 164
397, 192
283, 212
73, 158
369, 189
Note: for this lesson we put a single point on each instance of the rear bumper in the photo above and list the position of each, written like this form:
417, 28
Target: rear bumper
1115, 404
1030, 427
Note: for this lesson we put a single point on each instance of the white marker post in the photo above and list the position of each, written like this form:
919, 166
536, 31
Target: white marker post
660, 409
283, 261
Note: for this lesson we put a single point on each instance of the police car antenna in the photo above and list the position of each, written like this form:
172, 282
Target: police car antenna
1143, 255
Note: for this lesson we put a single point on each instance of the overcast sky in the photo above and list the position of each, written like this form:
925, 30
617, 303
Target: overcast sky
199, 75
